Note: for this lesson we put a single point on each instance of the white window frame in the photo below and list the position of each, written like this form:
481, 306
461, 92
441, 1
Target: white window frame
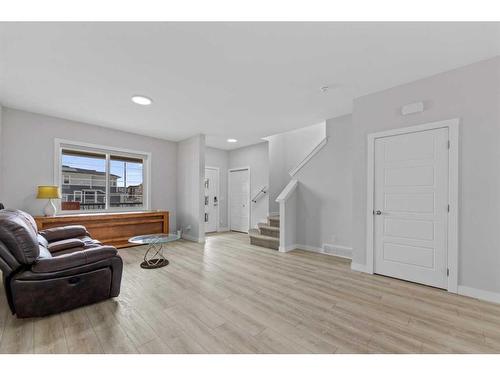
86, 191
60, 144
80, 195
69, 179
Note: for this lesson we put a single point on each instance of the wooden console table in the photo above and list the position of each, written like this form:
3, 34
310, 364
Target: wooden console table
112, 228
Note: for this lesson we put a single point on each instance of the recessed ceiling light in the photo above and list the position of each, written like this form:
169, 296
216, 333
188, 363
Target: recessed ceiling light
232, 140
141, 100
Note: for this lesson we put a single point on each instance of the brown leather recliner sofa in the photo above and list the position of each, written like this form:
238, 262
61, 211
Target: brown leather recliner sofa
56, 269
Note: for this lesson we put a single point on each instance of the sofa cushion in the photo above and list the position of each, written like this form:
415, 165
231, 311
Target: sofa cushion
90, 242
76, 259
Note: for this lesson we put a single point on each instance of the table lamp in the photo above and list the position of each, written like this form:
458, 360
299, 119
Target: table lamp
49, 192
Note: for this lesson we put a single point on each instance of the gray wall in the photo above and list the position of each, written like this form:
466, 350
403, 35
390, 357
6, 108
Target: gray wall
190, 192
471, 93
27, 150
220, 159
286, 150
324, 193
256, 157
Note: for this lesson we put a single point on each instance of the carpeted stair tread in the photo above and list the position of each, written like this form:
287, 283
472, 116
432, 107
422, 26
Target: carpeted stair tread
268, 230
273, 221
262, 240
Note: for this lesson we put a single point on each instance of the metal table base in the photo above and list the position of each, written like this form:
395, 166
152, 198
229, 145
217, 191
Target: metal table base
153, 258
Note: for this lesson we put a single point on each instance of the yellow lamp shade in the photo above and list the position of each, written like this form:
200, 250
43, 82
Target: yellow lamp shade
48, 192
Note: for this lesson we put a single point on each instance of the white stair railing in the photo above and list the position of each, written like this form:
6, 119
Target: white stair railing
288, 216
308, 157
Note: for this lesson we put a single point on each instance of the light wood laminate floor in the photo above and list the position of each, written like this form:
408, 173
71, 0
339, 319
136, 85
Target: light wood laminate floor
231, 297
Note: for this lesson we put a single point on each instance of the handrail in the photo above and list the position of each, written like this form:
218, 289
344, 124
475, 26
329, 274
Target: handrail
287, 191
309, 156
257, 196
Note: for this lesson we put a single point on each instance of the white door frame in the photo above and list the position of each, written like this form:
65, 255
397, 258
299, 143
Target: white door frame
453, 168
218, 194
229, 194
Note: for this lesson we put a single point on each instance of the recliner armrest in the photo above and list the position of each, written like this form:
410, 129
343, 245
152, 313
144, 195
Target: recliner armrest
76, 259
70, 243
64, 233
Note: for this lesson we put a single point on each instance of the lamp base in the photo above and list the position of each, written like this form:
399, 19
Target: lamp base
50, 209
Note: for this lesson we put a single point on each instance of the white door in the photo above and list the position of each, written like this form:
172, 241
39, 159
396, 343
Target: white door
411, 206
239, 198
211, 199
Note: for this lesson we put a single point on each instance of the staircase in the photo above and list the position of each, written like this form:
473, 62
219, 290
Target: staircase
268, 234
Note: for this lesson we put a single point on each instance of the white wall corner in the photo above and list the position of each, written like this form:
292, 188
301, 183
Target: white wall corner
338, 250
286, 249
223, 229
358, 267
188, 237
481, 294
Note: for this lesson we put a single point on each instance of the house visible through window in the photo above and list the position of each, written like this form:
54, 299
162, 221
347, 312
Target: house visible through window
101, 181
126, 182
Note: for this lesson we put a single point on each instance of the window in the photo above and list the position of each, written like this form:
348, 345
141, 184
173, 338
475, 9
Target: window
97, 179
77, 196
126, 182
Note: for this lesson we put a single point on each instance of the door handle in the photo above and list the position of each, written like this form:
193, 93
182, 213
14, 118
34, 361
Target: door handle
378, 212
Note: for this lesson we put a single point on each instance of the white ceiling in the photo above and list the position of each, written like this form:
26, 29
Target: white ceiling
226, 80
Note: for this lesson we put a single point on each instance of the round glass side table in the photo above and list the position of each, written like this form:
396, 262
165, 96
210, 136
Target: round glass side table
154, 258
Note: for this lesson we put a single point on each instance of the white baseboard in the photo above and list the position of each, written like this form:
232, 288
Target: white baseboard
192, 238
338, 250
479, 294
334, 250
310, 248
223, 229
358, 267
286, 249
